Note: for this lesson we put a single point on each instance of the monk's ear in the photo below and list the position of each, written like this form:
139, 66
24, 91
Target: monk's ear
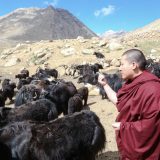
134, 65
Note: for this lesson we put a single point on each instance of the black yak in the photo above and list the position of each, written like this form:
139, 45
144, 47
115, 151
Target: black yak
79, 136
40, 110
75, 104
27, 93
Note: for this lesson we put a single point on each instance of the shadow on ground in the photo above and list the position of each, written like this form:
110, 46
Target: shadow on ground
108, 156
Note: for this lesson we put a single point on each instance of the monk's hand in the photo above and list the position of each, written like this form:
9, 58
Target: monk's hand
116, 125
102, 80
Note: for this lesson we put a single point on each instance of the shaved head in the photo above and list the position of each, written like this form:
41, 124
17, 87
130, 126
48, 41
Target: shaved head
137, 56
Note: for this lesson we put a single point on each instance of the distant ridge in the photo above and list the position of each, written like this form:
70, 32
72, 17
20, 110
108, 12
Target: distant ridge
35, 24
150, 31
110, 34
153, 26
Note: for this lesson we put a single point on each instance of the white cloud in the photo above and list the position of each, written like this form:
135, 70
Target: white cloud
105, 11
52, 2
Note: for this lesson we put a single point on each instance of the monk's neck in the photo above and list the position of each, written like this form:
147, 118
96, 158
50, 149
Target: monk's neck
136, 75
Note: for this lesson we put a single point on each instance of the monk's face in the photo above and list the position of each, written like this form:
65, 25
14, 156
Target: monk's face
126, 69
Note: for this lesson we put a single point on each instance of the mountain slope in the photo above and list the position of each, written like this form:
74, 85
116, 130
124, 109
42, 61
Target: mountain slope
150, 31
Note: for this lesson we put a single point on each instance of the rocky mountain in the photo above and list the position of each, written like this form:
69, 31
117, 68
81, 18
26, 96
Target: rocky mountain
35, 24
113, 34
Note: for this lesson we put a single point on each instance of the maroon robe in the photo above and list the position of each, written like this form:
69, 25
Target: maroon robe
139, 113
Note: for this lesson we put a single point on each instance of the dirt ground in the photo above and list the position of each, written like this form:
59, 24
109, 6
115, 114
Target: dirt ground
107, 113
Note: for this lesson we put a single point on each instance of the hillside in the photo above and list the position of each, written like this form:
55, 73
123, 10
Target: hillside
150, 31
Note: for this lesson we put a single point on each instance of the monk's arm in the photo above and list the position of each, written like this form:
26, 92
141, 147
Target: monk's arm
110, 93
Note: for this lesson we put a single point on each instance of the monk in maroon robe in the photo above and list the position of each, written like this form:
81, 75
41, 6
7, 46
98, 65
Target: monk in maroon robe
138, 102
139, 113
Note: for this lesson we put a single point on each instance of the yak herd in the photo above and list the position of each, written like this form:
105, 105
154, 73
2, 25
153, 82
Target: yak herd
34, 130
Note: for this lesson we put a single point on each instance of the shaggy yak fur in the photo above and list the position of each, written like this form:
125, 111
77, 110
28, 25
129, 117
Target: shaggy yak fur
83, 91
27, 93
40, 110
60, 94
79, 136
75, 104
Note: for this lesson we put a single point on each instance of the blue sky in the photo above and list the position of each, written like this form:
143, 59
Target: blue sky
98, 15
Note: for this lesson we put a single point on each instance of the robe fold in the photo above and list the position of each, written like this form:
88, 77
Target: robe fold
138, 103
